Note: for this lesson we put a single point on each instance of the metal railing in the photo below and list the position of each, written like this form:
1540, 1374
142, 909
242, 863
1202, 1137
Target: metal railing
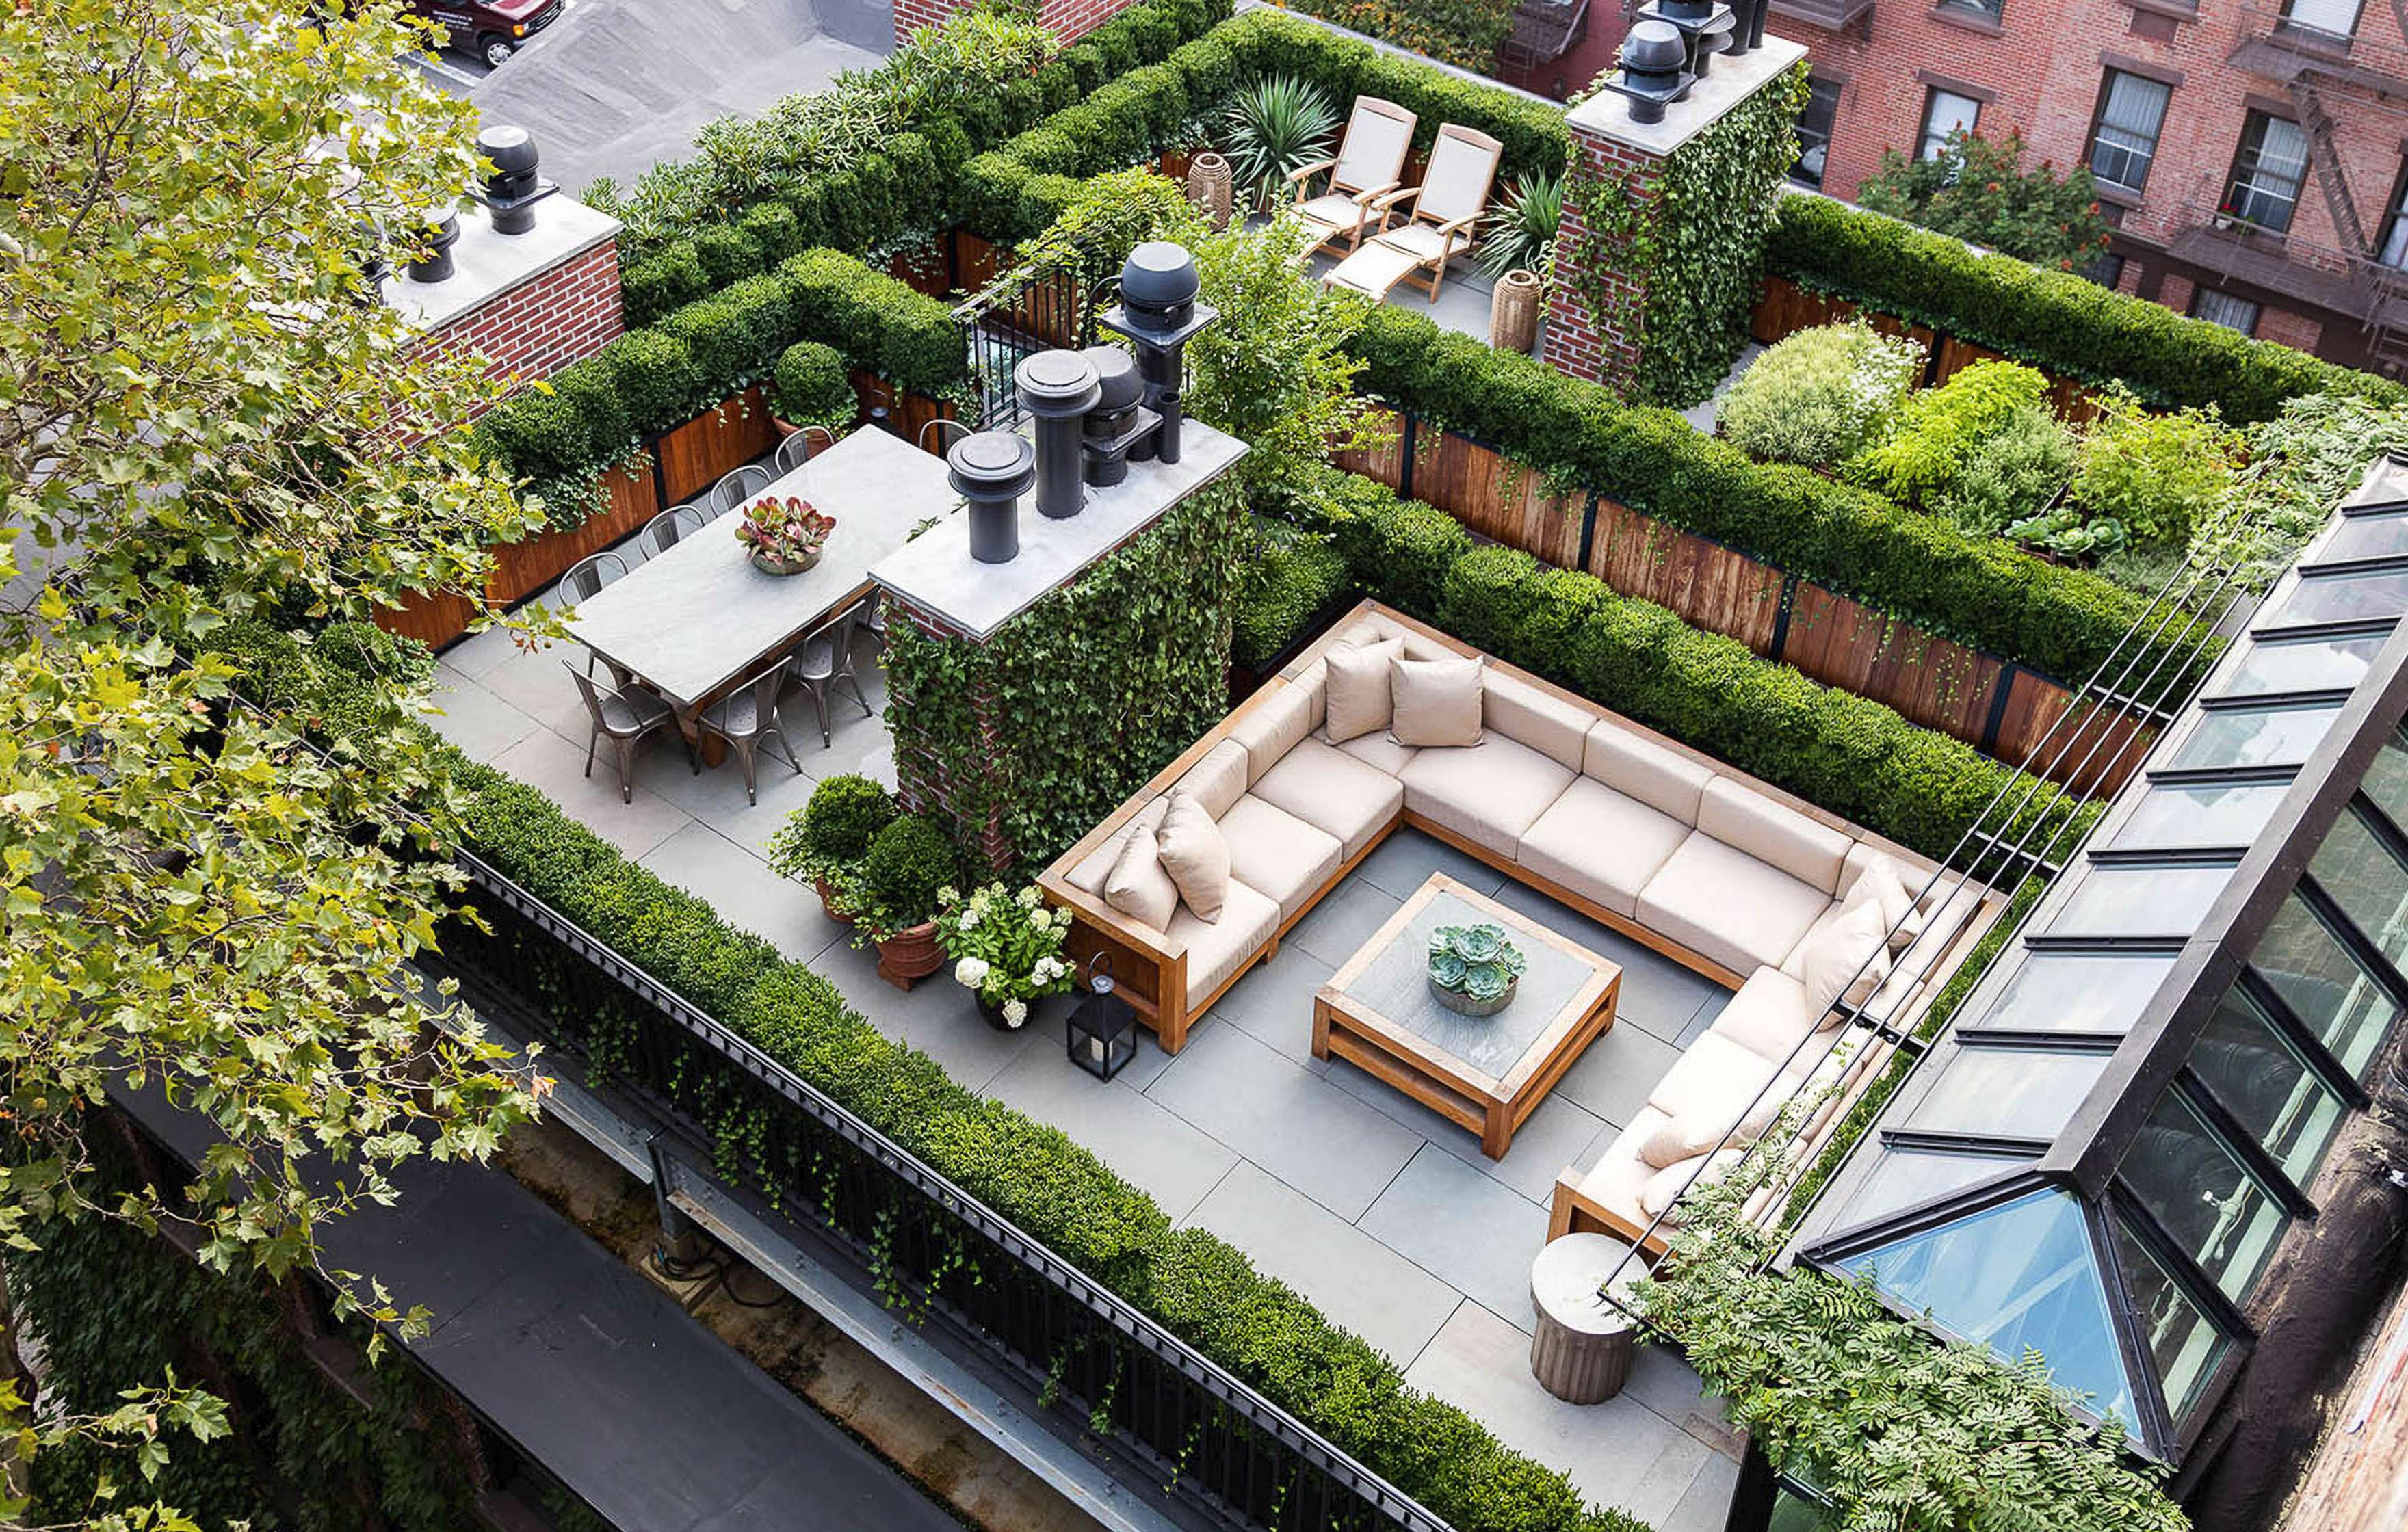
1020, 313
1181, 1425
2269, 33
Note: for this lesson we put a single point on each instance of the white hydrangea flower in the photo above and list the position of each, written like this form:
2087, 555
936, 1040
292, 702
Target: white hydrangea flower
1014, 1012
969, 916
971, 972
949, 894
1028, 897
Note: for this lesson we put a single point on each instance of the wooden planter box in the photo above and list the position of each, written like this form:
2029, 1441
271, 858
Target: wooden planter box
1783, 309
692, 457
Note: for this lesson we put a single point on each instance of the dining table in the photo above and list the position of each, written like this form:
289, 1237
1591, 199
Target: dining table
696, 619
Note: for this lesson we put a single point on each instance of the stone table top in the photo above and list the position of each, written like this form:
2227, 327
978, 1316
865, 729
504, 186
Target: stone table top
696, 619
1566, 1278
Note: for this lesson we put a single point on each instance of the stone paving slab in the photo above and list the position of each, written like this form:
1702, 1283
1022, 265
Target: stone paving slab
1474, 1233
1177, 1164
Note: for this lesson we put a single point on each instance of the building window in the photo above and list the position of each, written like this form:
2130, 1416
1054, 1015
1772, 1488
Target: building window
2333, 18
1989, 10
2124, 140
1944, 112
1814, 126
2393, 250
2224, 308
2268, 173
2106, 269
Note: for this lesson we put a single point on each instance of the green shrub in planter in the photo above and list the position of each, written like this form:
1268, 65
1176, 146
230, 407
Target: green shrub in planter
667, 279
1941, 429
727, 254
657, 380
845, 815
1291, 576
909, 861
2011, 476
1820, 395
772, 229
2156, 475
811, 388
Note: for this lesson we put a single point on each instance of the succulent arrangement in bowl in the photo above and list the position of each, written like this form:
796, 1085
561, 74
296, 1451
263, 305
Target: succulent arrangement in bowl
785, 535
1474, 968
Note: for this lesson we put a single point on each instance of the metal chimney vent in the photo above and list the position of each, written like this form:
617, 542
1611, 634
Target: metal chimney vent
511, 192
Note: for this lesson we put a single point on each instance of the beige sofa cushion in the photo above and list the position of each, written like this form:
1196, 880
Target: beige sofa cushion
1358, 697
1717, 900
1378, 750
1334, 792
1276, 719
1769, 1017
1714, 1079
1488, 793
1882, 883
1738, 815
1436, 701
1313, 681
1219, 779
1599, 844
1847, 957
1638, 768
1089, 874
1139, 886
1217, 948
1537, 718
1276, 854
1658, 1196
1195, 855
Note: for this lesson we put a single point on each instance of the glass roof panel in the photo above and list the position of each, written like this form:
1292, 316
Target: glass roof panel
2254, 737
2006, 1093
2199, 817
2184, 1346
1902, 1175
2015, 1278
2325, 985
2361, 875
2183, 1172
2385, 782
2069, 992
2257, 1078
2296, 664
2340, 598
2367, 538
2120, 901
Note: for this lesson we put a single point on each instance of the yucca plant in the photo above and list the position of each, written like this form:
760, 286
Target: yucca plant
1522, 230
1276, 126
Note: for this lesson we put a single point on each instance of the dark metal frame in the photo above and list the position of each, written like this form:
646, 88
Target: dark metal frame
1013, 318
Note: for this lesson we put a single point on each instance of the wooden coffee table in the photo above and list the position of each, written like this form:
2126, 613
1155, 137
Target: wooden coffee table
1487, 1073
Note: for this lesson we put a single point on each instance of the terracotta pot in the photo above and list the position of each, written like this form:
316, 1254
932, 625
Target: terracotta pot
909, 955
827, 902
785, 427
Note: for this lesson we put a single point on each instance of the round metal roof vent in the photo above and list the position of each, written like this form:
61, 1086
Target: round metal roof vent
1654, 48
991, 466
1117, 374
1160, 276
510, 147
1056, 383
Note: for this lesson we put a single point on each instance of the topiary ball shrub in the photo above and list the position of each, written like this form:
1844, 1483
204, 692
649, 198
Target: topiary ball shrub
811, 388
1820, 395
844, 816
908, 862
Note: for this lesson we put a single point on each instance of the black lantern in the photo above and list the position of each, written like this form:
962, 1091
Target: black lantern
1655, 70
1103, 1026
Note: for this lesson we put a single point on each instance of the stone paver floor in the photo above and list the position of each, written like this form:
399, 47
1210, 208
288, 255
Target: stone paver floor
1386, 1216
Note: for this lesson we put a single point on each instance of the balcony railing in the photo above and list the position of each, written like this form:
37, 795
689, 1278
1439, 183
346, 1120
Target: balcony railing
2277, 47
2350, 282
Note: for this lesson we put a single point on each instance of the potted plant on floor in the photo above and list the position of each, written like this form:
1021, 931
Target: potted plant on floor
1006, 949
825, 841
809, 387
909, 863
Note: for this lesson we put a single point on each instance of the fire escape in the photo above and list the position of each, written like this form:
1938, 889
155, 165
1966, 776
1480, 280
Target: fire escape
2368, 74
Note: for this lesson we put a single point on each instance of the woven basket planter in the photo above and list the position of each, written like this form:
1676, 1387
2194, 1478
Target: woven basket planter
1514, 311
1208, 186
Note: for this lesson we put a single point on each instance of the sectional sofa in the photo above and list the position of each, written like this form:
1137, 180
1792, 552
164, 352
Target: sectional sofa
1721, 872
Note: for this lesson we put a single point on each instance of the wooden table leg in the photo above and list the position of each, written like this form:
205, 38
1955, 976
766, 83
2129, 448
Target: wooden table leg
1496, 1131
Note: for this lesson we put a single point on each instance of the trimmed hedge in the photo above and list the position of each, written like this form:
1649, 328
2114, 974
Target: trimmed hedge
913, 184
1853, 756
1907, 565
1290, 578
2051, 318
649, 382
1191, 1280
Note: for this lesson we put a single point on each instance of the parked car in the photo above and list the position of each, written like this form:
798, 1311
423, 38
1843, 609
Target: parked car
490, 29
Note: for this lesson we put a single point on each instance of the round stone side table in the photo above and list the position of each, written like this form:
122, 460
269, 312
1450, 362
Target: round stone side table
1581, 1352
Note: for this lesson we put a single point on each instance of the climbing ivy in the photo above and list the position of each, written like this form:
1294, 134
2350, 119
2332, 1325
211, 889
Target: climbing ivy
1064, 712
1695, 246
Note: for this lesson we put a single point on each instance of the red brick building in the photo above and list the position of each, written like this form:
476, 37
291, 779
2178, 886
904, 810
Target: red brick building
2250, 152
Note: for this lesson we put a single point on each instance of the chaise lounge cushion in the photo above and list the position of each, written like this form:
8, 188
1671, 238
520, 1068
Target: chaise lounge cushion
1217, 948
1489, 794
1276, 854
1599, 844
1334, 792
1775, 834
1718, 901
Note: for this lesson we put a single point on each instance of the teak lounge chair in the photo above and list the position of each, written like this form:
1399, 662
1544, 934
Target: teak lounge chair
1447, 209
1370, 165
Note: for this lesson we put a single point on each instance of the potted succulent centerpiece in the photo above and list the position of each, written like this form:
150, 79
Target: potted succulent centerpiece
825, 842
1006, 949
1474, 969
909, 863
785, 532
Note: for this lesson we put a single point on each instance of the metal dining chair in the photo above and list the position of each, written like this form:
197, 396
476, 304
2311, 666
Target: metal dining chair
584, 578
823, 659
622, 715
796, 450
740, 486
748, 719
662, 531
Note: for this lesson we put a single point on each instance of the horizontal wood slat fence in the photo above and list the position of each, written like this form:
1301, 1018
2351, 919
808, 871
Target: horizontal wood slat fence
2000, 708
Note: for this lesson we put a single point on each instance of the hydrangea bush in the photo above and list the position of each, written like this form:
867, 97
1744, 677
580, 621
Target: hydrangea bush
1006, 947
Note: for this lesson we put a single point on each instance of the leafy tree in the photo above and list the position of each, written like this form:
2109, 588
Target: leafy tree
1977, 189
208, 427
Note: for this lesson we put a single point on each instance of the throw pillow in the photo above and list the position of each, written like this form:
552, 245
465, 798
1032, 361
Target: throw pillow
1881, 884
1436, 701
1356, 689
1138, 887
1657, 1198
1835, 955
1195, 855
1686, 1137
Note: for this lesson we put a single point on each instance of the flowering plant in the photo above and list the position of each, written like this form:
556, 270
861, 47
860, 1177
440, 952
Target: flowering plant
790, 530
1006, 947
